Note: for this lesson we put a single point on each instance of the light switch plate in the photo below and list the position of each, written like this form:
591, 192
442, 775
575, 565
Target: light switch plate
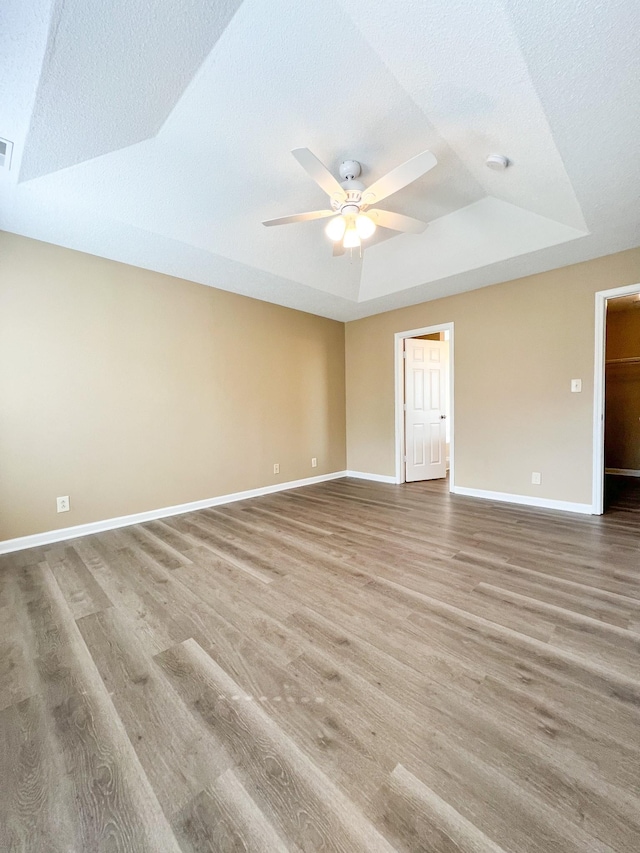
576, 385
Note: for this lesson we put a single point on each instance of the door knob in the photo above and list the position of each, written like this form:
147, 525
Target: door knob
442, 417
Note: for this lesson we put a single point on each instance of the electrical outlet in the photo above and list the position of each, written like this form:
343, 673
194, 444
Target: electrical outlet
314, 462
536, 478
276, 467
62, 504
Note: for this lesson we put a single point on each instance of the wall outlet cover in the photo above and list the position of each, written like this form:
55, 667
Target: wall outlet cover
62, 504
536, 478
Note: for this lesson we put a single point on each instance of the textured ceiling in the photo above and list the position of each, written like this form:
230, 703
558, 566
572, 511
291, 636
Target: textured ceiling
160, 135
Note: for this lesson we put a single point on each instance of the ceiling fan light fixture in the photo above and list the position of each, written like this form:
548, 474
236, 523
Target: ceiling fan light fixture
351, 238
347, 224
335, 228
364, 226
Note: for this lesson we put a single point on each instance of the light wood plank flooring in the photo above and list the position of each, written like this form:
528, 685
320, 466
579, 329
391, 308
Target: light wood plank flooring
344, 667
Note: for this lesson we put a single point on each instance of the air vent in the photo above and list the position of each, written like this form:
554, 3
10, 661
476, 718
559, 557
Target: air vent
6, 149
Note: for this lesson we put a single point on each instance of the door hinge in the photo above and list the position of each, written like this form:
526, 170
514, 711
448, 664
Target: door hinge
404, 407
404, 354
404, 458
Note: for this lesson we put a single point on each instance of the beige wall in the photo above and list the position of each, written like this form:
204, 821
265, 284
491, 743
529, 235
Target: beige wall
517, 346
622, 406
131, 391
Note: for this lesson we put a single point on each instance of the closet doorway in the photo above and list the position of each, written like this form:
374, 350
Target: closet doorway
622, 403
616, 467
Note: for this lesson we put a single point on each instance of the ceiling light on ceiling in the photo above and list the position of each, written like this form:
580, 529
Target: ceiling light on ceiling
497, 162
351, 238
364, 226
336, 228
352, 229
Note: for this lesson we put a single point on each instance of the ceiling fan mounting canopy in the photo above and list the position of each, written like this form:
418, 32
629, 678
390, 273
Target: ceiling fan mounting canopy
350, 169
352, 220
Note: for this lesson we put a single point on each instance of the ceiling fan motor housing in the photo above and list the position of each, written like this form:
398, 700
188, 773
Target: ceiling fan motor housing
350, 202
350, 209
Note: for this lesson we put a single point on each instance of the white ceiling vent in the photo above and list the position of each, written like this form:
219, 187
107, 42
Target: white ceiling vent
6, 148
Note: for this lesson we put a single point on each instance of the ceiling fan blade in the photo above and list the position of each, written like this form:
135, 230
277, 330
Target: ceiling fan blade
318, 171
396, 221
300, 217
399, 177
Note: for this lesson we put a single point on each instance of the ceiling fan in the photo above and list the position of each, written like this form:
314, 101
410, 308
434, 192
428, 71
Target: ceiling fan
352, 217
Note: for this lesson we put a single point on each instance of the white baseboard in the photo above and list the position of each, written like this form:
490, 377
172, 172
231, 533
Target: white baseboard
623, 472
51, 536
525, 500
377, 478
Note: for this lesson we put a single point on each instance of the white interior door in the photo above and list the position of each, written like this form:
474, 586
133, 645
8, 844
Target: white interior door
425, 377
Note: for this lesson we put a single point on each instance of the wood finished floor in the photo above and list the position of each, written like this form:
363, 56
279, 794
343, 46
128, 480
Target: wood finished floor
344, 667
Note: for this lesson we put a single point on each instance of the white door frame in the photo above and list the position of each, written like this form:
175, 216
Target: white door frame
597, 495
399, 386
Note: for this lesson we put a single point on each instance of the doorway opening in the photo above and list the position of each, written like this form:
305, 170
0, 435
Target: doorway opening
424, 407
616, 465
